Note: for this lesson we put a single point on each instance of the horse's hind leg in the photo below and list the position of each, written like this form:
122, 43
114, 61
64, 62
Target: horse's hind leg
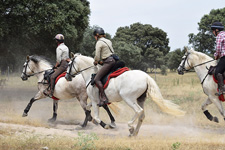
55, 108
88, 117
140, 101
113, 125
138, 112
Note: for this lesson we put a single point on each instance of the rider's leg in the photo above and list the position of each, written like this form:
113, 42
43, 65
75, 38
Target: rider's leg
220, 68
108, 64
63, 66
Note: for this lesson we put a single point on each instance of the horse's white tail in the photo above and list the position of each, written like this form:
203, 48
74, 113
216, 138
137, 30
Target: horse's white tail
165, 105
115, 108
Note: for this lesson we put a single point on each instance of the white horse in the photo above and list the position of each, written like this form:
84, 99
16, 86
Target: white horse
36, 66
131, 86
200, 62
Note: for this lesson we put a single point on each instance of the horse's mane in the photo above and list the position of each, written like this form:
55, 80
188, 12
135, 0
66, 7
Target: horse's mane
40, 60
87, 58
202, 56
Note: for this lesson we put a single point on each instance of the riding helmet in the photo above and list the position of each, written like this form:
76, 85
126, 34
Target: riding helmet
217, 25
59, 37
98, 31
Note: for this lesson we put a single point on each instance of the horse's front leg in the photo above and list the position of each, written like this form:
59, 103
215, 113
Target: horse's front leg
96, 116
55, 108
219, 105
206, 112
113, 125
38, 96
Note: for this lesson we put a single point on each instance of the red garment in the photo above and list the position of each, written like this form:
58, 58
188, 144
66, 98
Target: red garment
60, 76
221, 97
115, 74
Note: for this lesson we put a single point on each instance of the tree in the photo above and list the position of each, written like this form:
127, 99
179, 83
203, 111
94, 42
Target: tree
28, 27
174, 58
129, 53
153, 43
87, 46
204, 41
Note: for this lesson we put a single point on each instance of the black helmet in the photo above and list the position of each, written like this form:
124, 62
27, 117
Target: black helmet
98, 31
217, 25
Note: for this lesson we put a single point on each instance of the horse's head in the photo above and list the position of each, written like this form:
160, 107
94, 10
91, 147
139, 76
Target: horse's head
27, 69
72, 69
185, 64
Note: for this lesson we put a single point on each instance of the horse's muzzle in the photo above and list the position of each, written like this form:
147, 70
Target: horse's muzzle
23, 77
180, 71
68, 77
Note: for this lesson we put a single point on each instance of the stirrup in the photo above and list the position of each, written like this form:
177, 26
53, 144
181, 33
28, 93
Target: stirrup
220, 93
48, 93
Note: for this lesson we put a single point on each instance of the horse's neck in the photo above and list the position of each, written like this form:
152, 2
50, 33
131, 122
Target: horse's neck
202, 70
87, 73
40, 68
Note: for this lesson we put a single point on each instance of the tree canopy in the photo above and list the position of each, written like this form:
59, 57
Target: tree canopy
204, 41
28, 27
151, 43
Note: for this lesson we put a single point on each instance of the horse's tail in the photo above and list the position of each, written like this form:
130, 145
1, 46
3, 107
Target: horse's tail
165, 105
115, 108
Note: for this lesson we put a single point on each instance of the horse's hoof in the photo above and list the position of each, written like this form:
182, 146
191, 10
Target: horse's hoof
95, 122
215, 119
24, 114
107, 126
79, 128
52, 120
131, 131
113, 125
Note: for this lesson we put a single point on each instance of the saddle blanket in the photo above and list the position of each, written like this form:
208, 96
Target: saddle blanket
115, 74
60, 76
221, 97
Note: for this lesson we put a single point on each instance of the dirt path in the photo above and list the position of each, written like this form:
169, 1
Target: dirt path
67, 129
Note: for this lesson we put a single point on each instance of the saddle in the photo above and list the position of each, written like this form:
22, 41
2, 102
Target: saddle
47, 76
117, 69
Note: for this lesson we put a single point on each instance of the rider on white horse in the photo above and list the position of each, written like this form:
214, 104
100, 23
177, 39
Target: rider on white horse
217, 29
62, 59
103, 52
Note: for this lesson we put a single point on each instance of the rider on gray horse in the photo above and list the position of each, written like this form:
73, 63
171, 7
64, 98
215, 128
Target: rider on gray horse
217, 29
103, 56
62, 59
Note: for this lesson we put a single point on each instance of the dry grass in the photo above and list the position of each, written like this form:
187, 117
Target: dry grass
183, 90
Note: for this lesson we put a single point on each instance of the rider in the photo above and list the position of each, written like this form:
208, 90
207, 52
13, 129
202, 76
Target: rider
217, 29
62, 59
103, 52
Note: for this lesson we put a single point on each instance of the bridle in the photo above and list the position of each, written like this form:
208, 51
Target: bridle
33, 73
185, 59
191, 67
77, 72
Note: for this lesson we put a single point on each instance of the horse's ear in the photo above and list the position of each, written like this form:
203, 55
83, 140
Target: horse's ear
71, 54
186, 49
28, 57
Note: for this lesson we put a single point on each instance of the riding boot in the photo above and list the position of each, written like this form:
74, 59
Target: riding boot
221, 88
103, 98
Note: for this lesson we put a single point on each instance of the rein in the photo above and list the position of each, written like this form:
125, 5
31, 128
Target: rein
77, 72
33, 73
196, 66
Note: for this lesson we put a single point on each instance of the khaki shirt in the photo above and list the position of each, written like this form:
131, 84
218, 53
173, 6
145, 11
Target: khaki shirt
102, 50
62, 52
